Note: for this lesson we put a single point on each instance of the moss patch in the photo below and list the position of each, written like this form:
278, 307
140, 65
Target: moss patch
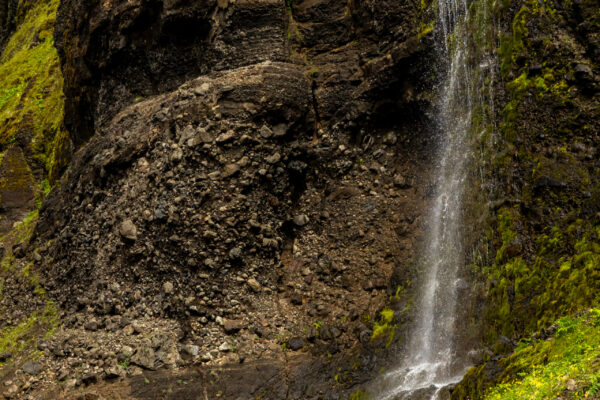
567, 364
19, 338
563, 277
384, 329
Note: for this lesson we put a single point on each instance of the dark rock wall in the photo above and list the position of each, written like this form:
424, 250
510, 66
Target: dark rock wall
116, 52
8, 10
268, 163
545, 165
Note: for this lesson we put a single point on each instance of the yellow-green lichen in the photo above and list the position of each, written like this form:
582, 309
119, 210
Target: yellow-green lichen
23, 336
563, 277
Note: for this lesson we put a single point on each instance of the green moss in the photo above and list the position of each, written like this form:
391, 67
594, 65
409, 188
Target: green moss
31, 95
380, 330
563, 277
506, 232
473, 384
512, 45
31, 115
384, 329
540, 369
553, 270
41, 192
25, 229
397, 296
6, 263
388, 315
425, 29
39, 325
425, 20
518, 87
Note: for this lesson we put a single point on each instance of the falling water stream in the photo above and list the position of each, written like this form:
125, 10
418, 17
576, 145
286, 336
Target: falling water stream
432, 360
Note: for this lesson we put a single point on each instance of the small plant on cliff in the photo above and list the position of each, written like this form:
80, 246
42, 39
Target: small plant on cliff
384, 328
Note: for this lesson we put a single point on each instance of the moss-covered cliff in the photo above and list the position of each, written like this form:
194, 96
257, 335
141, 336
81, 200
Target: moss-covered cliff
34, 151
544, 171
32, 102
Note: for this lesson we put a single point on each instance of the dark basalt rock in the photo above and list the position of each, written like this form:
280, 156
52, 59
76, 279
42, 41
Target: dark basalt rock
228, 147
8, 10
295, 343
114, 52
262, 93
547, 182
32, 367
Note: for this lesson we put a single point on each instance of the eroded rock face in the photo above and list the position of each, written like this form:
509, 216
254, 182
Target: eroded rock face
266, 163
151, 198
164, 165
16, 188
252, 184
244, 215
114, 52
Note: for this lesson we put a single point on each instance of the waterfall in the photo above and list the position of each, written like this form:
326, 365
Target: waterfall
432, 360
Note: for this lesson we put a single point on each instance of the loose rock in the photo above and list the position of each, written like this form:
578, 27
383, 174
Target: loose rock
233, 326
295, 343
254, 285
128, 230
32, 367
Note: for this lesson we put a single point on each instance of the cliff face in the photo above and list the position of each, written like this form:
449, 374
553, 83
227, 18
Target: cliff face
246, 192
34, 147
116, 52
8, 9
247, 188
548, 165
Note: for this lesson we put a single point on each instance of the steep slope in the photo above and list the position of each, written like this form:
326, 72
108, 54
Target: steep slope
34, 145
34, 151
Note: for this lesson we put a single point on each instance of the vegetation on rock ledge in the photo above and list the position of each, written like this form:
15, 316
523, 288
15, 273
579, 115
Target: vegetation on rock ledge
567, 364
